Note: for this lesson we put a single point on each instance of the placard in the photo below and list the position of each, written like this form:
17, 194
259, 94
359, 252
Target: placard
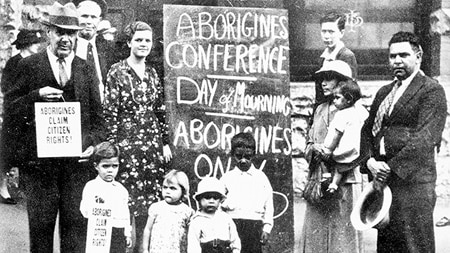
227, 71
58, 129
99, 231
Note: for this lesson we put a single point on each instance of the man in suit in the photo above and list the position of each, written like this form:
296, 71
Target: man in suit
332, 28
94, 49
55, 185
399, 141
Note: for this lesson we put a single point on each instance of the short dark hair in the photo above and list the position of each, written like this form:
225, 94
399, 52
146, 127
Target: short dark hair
332, 17
243, 140
105, 150
410, 37
350, 90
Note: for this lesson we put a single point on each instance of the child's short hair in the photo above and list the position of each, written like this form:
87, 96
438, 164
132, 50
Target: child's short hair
243, 140
181, 179
104, 150
333, 17
350, 90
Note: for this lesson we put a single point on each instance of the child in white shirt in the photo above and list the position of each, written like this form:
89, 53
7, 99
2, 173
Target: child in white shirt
107, 194
212, 230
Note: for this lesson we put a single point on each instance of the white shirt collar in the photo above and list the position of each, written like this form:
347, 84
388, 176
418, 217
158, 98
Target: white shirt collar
55, 65
331, 56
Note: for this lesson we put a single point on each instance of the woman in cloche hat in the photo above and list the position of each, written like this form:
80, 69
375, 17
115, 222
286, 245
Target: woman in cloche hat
28, 43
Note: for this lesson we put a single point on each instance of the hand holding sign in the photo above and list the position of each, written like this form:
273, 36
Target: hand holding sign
50, 94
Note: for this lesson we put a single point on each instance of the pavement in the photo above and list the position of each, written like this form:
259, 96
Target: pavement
14, 228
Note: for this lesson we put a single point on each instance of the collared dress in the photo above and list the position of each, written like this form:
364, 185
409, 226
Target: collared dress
135, 117
170, 227
327, 228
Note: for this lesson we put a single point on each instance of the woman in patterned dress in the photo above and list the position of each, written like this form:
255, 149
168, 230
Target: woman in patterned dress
135, 116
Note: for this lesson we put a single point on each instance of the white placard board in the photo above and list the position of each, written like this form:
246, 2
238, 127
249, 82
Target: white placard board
58, 129
99, 231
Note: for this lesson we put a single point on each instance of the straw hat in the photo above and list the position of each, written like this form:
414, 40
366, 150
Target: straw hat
64, 17
336, 67
210, 184
372, 208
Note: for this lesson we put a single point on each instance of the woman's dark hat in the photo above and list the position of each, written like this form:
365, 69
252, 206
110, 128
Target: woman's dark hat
28, 37
337, 67
65, 17
102, 3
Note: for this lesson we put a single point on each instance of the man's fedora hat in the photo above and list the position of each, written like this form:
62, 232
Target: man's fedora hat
337, 67
102, 3
372, 208
64, 17
28, 37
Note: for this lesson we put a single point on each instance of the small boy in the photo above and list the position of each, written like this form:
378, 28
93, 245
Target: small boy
104, 190
211, 230
249, 196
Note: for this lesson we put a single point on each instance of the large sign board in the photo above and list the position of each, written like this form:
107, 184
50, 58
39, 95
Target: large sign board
58, 129
227, 71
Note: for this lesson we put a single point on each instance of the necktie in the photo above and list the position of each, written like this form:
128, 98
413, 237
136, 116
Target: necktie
384, 108
63, 78
90, 55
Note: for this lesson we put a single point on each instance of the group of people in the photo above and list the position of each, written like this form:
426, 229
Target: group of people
123, 125
395, 143
122, 111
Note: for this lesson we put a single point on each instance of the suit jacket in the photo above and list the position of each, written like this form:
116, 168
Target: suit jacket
106, 57
411, 132
36, 73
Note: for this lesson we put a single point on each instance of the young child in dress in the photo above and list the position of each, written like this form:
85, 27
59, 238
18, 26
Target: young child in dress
168, 220
105, 191
249, 196
342, 141
212, 230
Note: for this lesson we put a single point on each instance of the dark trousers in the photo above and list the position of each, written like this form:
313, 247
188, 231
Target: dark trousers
249, 232
139, 222
52, 186
118, 241
410, 229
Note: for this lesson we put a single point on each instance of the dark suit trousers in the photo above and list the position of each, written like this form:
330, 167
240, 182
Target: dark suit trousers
52, 186
410, 229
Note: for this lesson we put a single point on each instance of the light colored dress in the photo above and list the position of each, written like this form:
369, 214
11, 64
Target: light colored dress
135, 116
327, 228
170, 226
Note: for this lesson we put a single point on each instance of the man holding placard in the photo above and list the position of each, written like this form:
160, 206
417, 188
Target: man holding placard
54, 183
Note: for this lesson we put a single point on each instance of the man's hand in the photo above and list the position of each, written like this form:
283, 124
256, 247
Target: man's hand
87, 153
380, 171
264, 238
50, 94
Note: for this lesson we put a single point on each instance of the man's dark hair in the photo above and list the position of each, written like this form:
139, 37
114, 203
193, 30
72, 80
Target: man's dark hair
350, 90
402, 36
243, 140
332, 17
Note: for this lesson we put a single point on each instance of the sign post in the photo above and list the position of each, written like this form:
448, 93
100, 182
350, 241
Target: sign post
58, 129
227, 71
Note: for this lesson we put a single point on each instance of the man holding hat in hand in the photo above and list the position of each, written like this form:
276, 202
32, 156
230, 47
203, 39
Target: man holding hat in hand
55, 185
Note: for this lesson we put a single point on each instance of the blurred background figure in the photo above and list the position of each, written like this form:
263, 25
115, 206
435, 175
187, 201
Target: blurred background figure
104, 29
28, 42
